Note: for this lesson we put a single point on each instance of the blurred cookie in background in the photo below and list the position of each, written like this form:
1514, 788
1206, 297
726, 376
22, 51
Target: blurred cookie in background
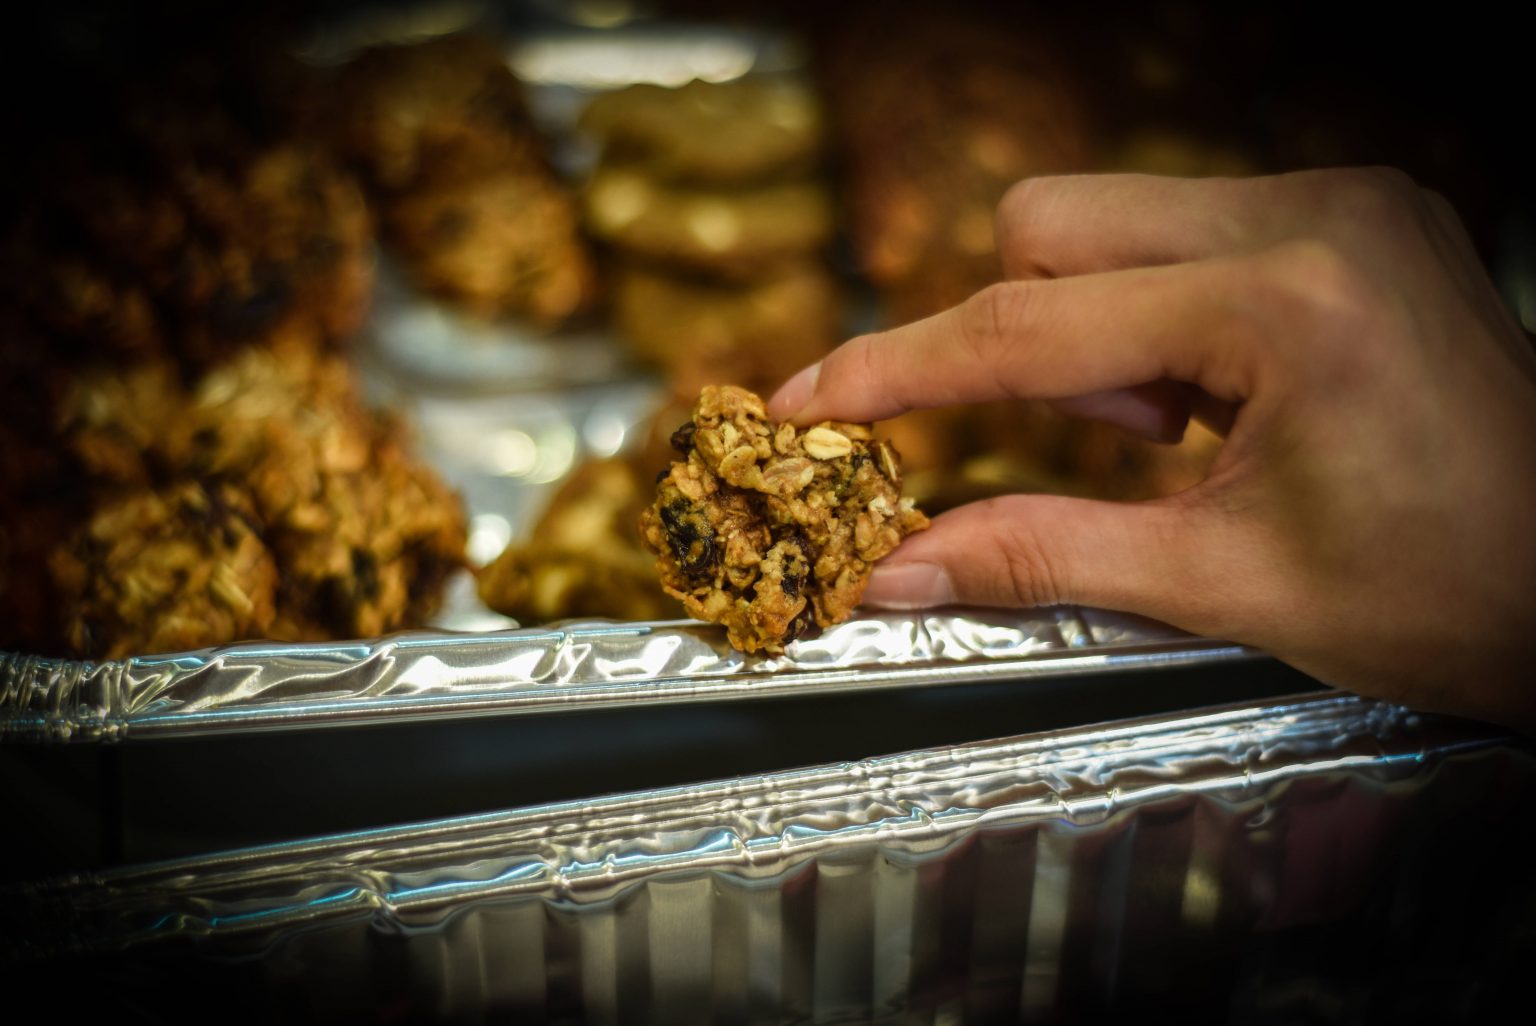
936, 115
700, 330
115, 423
166, 570
368, 552
498, 244
711, 200
727, 133
445, 109
281, 246
583, 557
364, 534
265, 500
733, 233
168, 250
441, 135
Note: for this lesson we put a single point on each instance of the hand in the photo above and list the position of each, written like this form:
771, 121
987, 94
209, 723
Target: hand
1371, 516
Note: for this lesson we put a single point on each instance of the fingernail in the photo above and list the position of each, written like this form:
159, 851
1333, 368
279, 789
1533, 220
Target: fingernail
795, 393
909, 586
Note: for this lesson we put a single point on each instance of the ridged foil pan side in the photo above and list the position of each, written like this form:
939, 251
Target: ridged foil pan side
1036, 878
583, 665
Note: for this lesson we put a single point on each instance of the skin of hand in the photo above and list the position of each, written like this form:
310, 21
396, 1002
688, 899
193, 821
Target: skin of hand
1371, 515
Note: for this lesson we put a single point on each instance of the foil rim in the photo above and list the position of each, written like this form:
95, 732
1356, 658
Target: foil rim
584, 665
586, 853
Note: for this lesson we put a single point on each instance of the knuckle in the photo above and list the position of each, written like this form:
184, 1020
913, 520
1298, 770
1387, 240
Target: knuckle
990, 316
855, 362
1024, 198
1441, 210
1376, 198
1435, 200
1382, 180
1316, 275
1031, 230
867, 367
1320, 299
1018, 214
1032, 573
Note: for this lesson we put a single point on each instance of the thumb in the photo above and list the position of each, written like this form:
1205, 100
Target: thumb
1041, 550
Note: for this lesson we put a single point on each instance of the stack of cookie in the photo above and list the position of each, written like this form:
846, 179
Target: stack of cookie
709, 198
266, 501
186, 458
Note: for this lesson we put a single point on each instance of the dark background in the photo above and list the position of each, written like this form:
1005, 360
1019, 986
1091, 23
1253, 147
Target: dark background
1288, 85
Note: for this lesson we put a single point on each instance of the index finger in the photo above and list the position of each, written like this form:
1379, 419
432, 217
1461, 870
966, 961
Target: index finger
1050, 339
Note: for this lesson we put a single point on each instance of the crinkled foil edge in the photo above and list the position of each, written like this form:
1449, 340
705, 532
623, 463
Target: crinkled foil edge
584, 853
579, 665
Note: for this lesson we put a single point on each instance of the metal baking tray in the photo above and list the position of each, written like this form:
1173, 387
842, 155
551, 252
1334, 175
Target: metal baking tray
1061, 875
177, 755
1321, 859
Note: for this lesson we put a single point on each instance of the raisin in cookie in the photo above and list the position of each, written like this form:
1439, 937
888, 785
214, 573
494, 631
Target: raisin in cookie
766, 528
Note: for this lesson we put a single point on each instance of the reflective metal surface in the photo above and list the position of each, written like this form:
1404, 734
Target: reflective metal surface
418, 675
1251, 863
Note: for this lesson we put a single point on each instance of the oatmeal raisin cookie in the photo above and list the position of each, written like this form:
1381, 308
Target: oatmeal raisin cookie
442, 109
276, 424
940, 112
190, 257
364, 535
505, 242
114, 423
164, 571
584, 557
768, 529
368, 552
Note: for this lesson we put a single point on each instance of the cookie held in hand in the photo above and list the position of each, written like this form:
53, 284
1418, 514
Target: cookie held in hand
768, 529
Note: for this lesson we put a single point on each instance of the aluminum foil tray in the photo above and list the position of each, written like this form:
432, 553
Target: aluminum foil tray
1326, 859
559, 669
